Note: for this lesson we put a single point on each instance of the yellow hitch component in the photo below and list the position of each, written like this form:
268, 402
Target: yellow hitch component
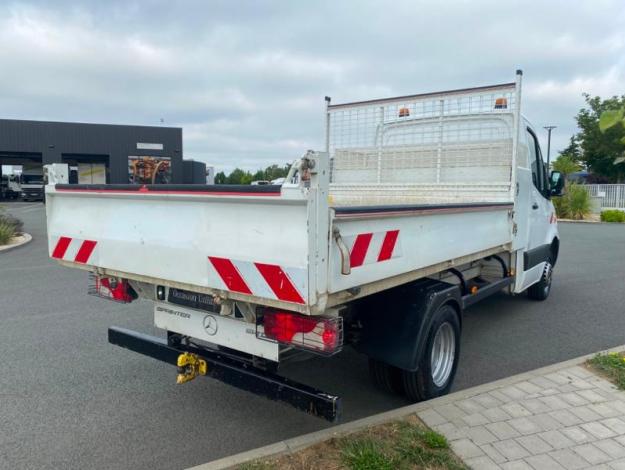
189, 367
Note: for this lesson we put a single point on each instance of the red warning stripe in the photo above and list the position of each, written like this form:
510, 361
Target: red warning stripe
388, 245
279, 283
61, 247
85, 250
83, 254
359, 250
230, 275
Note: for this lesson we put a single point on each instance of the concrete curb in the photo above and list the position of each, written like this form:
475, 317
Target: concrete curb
27, 239
572, 221
297, 443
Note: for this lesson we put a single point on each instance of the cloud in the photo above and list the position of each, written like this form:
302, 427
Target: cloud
246, 80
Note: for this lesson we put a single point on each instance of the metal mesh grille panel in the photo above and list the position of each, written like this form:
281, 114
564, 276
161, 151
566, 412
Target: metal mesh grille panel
434, 149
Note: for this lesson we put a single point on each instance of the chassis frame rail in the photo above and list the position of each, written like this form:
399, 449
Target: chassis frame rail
235, 373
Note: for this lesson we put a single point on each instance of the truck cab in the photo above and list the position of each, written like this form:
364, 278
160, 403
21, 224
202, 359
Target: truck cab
31, 181
10, 187
537, 216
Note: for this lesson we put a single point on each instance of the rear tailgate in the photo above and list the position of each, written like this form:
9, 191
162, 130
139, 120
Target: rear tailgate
240, 241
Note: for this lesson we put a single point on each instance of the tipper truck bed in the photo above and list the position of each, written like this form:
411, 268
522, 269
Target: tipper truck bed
418, 207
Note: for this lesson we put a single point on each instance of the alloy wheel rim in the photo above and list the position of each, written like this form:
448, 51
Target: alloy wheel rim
443, 354
548, 275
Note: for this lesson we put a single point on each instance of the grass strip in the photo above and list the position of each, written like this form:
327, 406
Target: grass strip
610, 365
403, 444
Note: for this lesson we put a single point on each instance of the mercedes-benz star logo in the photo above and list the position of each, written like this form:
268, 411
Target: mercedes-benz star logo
210, 325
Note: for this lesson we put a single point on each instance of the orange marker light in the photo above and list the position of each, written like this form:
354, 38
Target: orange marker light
501, 103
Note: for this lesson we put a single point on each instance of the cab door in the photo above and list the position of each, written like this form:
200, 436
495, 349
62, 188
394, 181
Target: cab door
540, 214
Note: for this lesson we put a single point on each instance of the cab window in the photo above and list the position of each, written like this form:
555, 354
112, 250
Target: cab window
539, 173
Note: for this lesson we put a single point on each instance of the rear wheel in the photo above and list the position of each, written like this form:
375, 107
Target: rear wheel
385, 376
438, 365
541, 290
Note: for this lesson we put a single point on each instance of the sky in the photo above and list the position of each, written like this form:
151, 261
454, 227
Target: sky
246, 80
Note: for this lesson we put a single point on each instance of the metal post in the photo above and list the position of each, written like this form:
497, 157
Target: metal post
549, 129
380, 144
327, 119
516, 133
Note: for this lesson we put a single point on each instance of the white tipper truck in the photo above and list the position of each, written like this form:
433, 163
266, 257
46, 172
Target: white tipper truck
418, 207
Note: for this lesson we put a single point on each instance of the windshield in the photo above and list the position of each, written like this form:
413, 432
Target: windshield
32, 179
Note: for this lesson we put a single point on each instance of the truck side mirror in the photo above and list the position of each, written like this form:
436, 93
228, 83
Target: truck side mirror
556, 183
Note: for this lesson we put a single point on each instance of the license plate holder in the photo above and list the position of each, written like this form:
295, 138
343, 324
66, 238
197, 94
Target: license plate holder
214, 328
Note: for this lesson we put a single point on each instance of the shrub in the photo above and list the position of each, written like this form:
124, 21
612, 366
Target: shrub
578, 201
613, 215
575, 204
7, 232
561, 206
16, 223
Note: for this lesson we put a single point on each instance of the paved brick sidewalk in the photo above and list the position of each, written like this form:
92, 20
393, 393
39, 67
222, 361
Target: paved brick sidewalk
563, 419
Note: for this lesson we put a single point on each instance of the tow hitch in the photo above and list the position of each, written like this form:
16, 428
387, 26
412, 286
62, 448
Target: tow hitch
189, 367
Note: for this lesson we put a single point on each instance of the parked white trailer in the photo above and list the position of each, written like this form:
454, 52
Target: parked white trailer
419, 206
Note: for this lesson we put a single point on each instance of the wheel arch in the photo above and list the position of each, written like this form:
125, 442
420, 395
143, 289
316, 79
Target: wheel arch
395, 323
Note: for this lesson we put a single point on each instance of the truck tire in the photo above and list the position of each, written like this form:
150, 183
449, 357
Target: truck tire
438, 365
541, 290
385, 376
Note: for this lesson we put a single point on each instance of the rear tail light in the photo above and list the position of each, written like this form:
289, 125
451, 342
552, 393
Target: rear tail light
111, 288
323, 335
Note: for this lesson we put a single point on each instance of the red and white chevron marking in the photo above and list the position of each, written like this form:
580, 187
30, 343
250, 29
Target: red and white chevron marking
373, 247
73, 249
263, 280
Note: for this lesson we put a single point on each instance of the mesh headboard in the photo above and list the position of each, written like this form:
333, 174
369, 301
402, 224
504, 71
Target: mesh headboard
453, 147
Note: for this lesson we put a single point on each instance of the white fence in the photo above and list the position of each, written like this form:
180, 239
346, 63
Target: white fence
612, 195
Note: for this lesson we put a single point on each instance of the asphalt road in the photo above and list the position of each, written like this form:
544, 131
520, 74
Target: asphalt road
68, 399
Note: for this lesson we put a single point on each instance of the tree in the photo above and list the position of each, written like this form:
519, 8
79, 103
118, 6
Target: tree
566, 165
603, 146
220, 178
572, 151
239, 176
614, 119
259, 176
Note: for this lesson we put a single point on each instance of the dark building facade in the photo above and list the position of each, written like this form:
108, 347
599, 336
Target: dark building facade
194, 172
148, 151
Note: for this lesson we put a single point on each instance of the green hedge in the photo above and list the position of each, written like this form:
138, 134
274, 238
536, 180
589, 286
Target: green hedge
613, 215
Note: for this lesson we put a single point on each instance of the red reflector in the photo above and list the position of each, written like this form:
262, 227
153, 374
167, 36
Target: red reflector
111, 288
319, 334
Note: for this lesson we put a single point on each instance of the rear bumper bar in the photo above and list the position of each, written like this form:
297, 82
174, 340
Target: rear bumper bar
237, 374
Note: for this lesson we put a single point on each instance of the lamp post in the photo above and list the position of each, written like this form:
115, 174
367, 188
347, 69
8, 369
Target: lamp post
549, 129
